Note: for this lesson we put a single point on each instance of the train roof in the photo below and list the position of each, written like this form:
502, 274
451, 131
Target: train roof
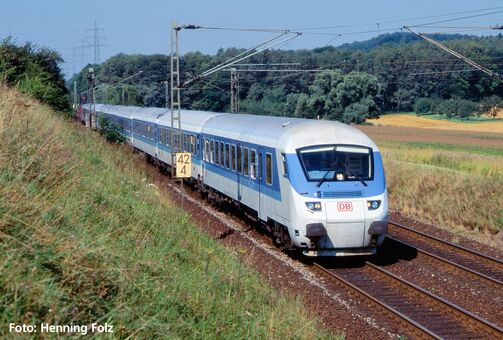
285, 132
191, 120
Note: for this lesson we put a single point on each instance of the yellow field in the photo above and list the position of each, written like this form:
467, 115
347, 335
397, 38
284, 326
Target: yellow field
407, 120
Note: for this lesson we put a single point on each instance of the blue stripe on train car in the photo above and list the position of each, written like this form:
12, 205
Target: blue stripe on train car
272, 190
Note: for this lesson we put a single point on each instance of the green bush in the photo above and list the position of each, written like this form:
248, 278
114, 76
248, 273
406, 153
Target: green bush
35, 71
111, 130
457, 107
488, 103
424, 106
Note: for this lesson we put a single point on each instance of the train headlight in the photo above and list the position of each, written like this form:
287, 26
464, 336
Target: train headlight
373, 205
339, 176
314, 206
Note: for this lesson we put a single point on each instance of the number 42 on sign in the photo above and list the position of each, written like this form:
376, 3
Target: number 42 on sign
183, 164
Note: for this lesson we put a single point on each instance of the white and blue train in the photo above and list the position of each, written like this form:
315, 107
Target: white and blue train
318, 186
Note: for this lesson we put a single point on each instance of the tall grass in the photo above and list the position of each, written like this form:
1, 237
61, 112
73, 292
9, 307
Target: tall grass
458, 188
86, 237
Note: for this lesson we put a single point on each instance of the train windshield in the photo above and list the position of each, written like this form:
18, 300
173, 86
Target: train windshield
337, 163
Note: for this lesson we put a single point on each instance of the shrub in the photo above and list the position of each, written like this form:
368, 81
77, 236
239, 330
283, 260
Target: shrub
488, 103
35, 71
457, 107
111, 130
424, 106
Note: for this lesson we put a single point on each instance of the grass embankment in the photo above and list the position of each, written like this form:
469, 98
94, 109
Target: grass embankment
484, 124
85, 237
457, 187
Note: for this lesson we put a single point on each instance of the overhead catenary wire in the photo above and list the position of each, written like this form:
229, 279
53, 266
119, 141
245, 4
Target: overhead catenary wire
113, 84
398, 20
251, 52
456, 19
457, 55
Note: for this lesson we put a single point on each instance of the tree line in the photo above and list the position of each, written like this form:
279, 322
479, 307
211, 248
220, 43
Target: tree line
35, 71
390, 73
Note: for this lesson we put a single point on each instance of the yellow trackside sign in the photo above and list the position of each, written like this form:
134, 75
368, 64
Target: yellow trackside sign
183, 164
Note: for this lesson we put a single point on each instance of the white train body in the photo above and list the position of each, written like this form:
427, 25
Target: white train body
320, 183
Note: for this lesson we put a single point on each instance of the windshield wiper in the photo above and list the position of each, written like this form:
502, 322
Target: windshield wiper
323, 179
355, 175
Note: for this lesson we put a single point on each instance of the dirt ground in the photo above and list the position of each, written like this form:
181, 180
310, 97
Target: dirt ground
407, 120
433, 135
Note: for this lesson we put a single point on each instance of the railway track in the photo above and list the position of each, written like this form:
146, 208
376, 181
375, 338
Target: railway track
488, 268
423, 314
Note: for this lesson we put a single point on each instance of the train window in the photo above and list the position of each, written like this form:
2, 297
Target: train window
176, 140
217, 152
348, 162
206, 151
168, 137
285, 167
212, 151
240, 160
268, 168
233, 157
227, 156
245, 162
192, 144
253, 163
221, 151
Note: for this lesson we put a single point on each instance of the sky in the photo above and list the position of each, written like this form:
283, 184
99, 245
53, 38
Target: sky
129, 26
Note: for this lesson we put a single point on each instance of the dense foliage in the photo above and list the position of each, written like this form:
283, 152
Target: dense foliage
35, 71
385, 74
111, 130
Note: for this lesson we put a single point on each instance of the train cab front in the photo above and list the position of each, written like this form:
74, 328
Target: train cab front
341, 203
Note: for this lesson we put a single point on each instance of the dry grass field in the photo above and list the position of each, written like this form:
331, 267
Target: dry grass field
451, 178
408, 120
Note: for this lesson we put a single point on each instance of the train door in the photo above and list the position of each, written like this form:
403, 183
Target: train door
260, 181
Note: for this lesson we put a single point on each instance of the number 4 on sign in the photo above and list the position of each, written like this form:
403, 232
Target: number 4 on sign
183, 164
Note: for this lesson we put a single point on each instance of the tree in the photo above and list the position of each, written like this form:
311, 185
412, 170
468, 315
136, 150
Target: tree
35, 71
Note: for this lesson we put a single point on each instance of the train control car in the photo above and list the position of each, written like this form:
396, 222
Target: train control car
318, 186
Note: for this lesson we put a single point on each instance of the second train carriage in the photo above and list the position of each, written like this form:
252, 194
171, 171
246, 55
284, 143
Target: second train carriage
318, 185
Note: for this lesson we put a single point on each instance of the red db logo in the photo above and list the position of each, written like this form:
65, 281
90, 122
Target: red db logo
345, 206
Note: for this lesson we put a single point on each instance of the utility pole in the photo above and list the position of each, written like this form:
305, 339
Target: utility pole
166, 93
176, 119
235, 79
175, 90
75, 103
234, 91
91, 117
96, 44
95, 37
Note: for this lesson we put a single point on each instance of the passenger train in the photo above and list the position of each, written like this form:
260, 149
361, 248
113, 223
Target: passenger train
318, 186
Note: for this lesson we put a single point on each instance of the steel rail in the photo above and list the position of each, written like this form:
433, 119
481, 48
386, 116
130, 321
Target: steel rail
469, 319
415, 328
472, 252
480, 276
467, 316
